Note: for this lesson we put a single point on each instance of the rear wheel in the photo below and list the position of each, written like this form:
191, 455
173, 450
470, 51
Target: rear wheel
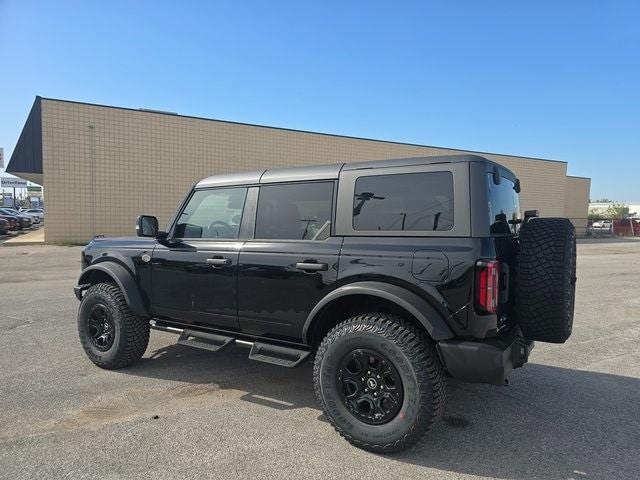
111, 335
379, 381
546, 279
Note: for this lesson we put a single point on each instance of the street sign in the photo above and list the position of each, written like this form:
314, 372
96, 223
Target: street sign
34, 188
9, 182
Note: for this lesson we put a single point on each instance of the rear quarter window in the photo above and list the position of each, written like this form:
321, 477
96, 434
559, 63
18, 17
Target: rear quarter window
404, 202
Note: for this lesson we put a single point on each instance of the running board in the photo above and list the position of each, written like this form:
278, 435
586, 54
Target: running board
277, 355
260, 351
206, 341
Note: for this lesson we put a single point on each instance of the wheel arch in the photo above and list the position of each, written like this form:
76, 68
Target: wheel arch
108, 271
404, 302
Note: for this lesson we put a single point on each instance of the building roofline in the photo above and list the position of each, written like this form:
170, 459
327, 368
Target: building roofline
576, 176
351, 137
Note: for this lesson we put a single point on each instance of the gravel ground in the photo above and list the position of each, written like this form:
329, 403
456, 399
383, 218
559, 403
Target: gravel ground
573, 412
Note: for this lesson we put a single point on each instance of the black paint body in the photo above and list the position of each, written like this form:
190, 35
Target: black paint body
259, 290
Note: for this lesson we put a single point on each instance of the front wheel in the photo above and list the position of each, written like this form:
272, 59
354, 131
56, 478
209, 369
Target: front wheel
379, 381
111, 335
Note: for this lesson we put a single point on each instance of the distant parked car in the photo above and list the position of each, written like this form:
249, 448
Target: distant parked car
602, 226
35, 219
25, 220
14, 222
4, 226
36, 212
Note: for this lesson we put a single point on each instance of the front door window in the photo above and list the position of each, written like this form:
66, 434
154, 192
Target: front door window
212, 214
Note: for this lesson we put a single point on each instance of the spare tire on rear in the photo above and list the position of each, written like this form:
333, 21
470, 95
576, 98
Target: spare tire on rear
546, 279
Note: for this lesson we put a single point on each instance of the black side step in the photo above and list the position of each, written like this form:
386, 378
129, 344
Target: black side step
277, 355
206, 341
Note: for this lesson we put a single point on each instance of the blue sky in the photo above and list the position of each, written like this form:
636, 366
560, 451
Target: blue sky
558, 80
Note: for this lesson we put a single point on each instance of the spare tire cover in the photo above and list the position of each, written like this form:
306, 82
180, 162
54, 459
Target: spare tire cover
546, 279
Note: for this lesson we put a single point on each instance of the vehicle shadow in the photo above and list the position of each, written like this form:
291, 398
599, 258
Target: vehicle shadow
549, 423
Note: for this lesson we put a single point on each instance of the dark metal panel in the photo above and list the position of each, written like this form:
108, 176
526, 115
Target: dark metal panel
275, 290
479, 199
248, 224
27, 156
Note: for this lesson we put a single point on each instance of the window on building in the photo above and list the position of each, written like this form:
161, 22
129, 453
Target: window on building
212, 214
297, 211
404, 202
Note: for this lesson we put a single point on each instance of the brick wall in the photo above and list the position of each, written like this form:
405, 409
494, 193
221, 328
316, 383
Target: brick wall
576, 204
104, 166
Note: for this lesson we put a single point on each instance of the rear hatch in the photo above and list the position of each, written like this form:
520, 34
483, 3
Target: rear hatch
504, 224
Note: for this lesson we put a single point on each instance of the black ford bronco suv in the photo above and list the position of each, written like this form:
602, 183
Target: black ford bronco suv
391, 275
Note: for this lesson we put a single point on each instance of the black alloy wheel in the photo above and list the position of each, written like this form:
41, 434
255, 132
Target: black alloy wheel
379, 381
101, 327
371, 386
111, 335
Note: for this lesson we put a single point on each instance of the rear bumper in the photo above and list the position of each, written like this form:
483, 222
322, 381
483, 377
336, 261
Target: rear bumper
485, 361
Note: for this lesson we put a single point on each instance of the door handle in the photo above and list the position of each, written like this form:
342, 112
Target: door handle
216, 262
311, 266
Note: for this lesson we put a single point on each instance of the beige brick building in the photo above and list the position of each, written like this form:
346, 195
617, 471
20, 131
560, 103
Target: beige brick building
102, 166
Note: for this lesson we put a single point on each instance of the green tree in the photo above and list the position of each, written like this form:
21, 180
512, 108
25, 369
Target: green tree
616, 211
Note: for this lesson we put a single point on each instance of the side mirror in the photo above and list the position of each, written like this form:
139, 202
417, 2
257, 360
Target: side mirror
529, 214
147, 226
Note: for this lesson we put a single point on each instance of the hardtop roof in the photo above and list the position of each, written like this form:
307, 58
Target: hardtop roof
329, 171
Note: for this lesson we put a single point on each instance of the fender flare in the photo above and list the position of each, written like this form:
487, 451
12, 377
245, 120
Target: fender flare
429, 318
122, 278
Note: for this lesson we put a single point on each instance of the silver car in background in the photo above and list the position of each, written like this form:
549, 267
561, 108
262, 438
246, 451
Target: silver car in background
35, 219
34, 212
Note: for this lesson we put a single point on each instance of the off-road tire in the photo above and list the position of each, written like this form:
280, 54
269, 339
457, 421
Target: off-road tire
545, 279
414, 356
131, 332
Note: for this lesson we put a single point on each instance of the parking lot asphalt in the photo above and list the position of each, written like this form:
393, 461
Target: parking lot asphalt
573, 412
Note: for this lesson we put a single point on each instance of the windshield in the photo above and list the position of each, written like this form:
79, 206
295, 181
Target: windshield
504, 206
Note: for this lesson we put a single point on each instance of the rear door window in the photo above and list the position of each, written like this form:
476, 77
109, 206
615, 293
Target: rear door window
295, 211
404, 202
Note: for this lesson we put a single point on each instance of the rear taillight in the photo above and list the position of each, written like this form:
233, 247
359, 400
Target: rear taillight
487, 286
